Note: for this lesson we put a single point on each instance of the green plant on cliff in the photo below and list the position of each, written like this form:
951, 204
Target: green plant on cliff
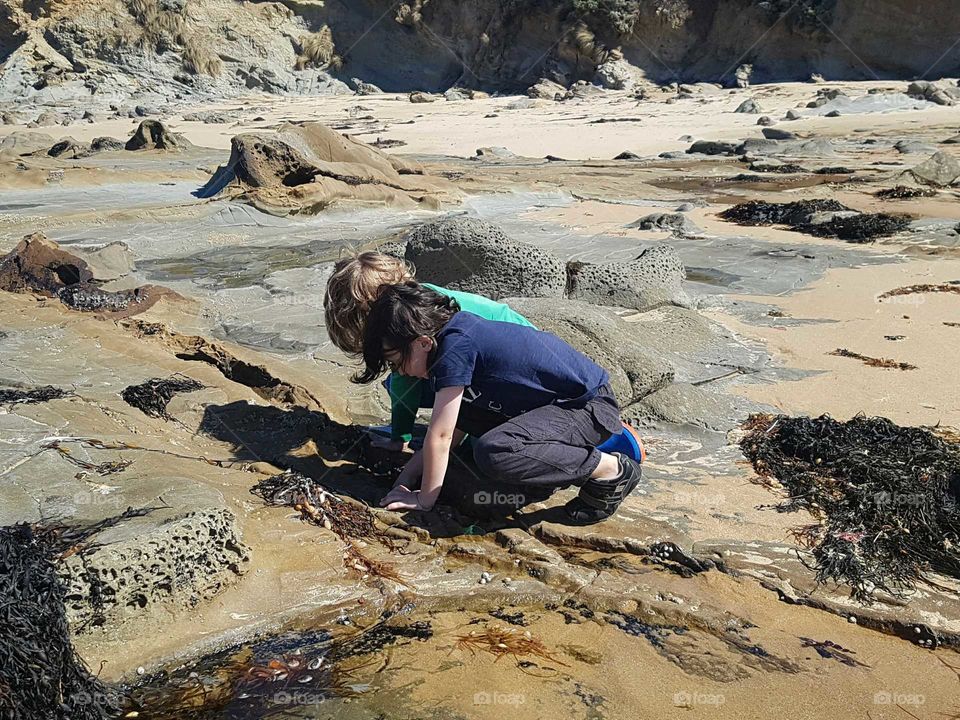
623, 15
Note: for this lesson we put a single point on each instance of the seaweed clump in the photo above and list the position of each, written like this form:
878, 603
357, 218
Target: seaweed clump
41, 675
757, 212
902, 192
351, 521
885, 497
153, 396
45, 393
862, 228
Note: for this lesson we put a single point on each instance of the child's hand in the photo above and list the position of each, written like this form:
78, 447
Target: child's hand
402, 498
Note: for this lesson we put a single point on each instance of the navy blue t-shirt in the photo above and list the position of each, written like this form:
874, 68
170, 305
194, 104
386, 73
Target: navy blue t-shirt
511, 369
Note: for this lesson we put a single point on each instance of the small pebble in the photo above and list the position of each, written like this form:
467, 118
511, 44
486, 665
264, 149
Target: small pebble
141, 670
852, 619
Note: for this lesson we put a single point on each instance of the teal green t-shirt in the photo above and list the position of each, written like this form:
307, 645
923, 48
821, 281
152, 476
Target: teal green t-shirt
484, 307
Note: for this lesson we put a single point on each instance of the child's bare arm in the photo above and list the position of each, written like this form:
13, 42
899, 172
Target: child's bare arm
439, 440
435, 455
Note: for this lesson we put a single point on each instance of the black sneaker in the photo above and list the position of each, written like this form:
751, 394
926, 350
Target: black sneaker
599, 499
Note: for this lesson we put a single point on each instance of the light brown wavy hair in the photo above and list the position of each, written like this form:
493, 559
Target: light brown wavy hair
351, 291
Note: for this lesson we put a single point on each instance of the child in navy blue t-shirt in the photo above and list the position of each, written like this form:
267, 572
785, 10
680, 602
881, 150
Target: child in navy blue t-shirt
536, 407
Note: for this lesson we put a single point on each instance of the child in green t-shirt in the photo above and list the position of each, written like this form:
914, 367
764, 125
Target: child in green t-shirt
351, 291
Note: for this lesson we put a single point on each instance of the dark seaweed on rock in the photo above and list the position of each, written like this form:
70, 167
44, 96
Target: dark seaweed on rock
41, 675
13, 396
90, 298
757, 212
153, 396
885, 497
902, 192
858, 228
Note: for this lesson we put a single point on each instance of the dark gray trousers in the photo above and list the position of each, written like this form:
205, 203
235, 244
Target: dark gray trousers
548, 446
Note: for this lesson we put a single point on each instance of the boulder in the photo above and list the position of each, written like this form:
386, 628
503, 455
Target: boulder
911, 147
25, 142
468, 254
677, 223
749, 107
778, 134
306, 168
68, 148
604, 337
654, 278
494, 154
793, 115
364, 88
545, 89
153, 135
422, 97
106, 144
765, 121
616, 75
713, 147
940, 170
932, 92
743, 75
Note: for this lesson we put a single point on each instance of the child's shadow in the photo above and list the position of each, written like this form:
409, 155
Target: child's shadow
340, 457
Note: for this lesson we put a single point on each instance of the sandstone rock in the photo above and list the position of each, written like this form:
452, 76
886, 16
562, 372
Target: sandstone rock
306, 168
825, 96
677, 223
653, 278
616, 75
422, 97
364, 88
684, 403
765, 121
467, 254
522, 104
777, 134
106, 144
955, 140
210, 118
793, 115
932, 92
24, 142
456, 95
743, 75
911, 147
749, 107
713, 147
185, 559
153, 135
68, 148
494, 153
940, 170
627, 155
545, 89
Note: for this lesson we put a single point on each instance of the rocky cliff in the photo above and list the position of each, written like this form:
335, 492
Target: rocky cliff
107, 51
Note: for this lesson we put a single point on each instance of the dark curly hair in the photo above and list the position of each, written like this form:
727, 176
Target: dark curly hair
399, 316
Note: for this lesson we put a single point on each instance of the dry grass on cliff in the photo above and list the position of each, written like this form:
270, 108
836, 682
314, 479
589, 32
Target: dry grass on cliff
318, 50
162, 28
